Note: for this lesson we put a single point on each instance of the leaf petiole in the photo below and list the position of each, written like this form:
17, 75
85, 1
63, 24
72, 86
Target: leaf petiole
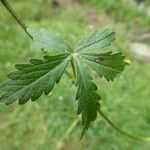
15, 16
139, 138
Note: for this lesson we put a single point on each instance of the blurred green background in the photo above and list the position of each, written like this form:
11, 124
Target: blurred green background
51, 122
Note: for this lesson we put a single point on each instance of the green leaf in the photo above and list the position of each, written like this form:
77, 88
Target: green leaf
49, 42
98, 39
31, 80
105, 64
88, 99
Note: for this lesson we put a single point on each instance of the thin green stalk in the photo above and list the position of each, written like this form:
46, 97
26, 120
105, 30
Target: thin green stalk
70, 76
70, 129
73, 67
24, 27
121, 131
15, 16
68, 132
139, 138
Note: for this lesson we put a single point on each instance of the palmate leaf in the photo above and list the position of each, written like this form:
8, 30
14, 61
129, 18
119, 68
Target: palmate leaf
31, 80
48, 41
88, 99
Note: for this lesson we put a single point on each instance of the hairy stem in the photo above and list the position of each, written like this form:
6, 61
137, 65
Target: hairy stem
15, 16
121, 131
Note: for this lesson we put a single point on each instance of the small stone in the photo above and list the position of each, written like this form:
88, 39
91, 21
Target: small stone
140, 51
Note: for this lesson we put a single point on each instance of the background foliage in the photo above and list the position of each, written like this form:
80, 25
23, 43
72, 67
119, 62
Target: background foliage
46, 123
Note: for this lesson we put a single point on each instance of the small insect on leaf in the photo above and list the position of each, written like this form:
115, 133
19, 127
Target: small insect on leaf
97, 60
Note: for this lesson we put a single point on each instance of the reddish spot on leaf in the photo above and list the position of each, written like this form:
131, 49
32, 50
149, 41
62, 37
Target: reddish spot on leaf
97, 60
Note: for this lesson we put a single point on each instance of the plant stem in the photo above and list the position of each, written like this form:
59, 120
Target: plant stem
24, 27
73, 67
15, 16
70, 129
121, 131
70, 76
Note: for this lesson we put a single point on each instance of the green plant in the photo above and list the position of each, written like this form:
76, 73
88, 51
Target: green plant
31, 80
